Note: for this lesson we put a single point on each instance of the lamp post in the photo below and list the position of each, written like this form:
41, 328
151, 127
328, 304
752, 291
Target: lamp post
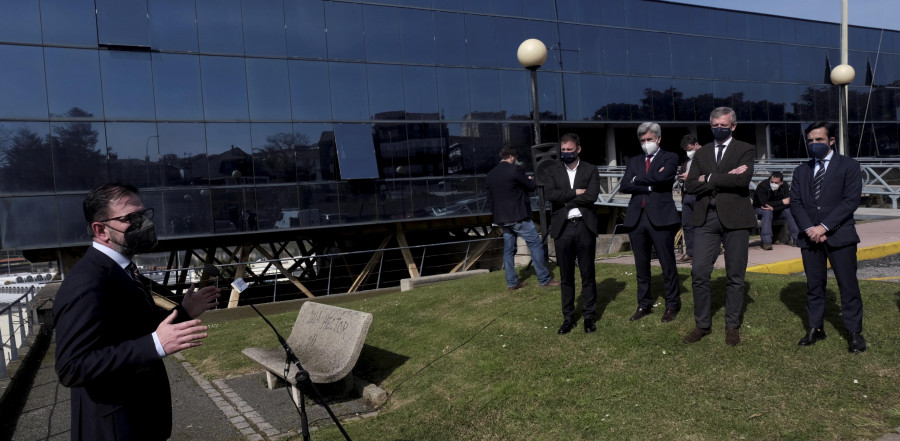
532, 54
841, 76
147, 155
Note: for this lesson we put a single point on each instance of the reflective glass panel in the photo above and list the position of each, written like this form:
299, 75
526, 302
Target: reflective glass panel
305, 23
612, 12
395, 201
621, 102
18, 233
449, 39
550, 89
173, 25
268, 89
484, 94
416, 36
234, 210
663, 100
187, 212
348, 91
264, 28
386, 93
79, 155
69, 22
640, 89
219, 26
25, 160
391, 150
358, 201
182, 154
224, 88
72, 228
594, 101
777, 103
315, 152
420, 93
452, 5
615, 56
23, 90
660, 52
133, 150
508, 7
73, 80
572, 97
453, 93
510, 34
567, 10
278, 207
460, 151
123, 22
127, 85
273, 153
20, 22
479, 5
381, 33
176, 83
515, 94
736, 24
425, 149
703, 90
356, 151
310, 90
480, 41
539, 9
319, 205
684, 100
345, 31
229, 150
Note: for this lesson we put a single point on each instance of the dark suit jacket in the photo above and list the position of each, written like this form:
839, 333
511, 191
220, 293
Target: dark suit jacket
562, 195
507, 193
732, 192
775, 199
655, 187
841, 191
106, 355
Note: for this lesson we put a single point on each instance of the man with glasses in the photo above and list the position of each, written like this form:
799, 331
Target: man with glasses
720, 179
110, 335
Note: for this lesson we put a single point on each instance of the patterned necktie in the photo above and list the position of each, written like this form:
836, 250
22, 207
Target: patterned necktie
133, 271
817, 181
719, 150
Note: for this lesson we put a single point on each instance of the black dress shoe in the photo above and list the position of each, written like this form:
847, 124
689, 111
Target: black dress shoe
857, 343
669, 315
566, 328
589, 326
641, 313
520, 285
812, 337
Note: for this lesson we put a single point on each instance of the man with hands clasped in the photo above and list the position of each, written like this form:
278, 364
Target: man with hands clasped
110, 335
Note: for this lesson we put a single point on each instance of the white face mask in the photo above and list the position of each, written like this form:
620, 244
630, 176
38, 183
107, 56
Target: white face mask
774, 186
690, 154
650, 147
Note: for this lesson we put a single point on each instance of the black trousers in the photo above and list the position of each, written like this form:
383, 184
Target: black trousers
576, 243
843, 263
706, 249
644, 237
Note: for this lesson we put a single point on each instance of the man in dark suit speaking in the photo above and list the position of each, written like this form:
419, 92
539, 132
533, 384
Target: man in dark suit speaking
572, 188
110, 336
652, 219
723, 215
507, 198
825, 194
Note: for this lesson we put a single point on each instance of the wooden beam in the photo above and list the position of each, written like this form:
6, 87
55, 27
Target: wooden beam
375, 258
478, 252
285, 272
407, 255
239, 272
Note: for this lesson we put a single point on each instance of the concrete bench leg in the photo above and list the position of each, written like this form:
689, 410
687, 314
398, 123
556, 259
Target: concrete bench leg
295, 394
274, 381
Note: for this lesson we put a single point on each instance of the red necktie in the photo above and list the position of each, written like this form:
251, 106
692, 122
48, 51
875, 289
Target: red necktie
646, 170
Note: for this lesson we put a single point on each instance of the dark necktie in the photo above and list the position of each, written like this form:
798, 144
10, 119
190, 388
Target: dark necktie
133, 271
817, 181
719, 150
646, 170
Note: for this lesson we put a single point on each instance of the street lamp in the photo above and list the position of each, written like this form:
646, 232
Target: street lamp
532, 54
841, 76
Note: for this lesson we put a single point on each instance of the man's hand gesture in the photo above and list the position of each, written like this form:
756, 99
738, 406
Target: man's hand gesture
180, 336
197, 302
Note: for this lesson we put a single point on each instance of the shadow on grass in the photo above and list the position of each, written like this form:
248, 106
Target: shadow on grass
898, 301
607, 291
376, 364
793, 296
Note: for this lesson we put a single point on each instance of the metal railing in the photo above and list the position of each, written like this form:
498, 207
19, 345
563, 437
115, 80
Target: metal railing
17, 319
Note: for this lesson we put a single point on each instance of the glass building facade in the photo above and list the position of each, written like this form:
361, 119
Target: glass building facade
235, 116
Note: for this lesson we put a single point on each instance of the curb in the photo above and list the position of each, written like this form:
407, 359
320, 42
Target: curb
795, 266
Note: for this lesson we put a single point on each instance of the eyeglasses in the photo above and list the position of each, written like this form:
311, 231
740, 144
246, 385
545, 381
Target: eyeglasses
132, 218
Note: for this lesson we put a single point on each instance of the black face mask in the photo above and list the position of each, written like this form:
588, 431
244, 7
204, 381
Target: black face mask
721, 134
139, 238
568, 157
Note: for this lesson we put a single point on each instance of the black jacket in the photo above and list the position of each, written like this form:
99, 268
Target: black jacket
765, 196
507, 193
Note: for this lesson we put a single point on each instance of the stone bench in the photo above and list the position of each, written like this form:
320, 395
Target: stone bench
327, 340
408, 284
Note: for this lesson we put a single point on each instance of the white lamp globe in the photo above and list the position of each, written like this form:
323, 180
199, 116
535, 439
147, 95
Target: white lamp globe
842, 74
532, 53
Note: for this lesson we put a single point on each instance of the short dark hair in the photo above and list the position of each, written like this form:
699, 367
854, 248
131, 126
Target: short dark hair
777, 174
508, 151
688, 139
829, 127
96, 204
570, 137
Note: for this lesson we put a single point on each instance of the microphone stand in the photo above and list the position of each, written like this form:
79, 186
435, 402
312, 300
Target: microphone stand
302, 379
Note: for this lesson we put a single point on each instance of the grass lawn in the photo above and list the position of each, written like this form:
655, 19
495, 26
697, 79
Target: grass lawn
467, 359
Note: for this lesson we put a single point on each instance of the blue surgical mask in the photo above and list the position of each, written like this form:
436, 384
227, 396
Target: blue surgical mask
721, 133
568, 157
819, 150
